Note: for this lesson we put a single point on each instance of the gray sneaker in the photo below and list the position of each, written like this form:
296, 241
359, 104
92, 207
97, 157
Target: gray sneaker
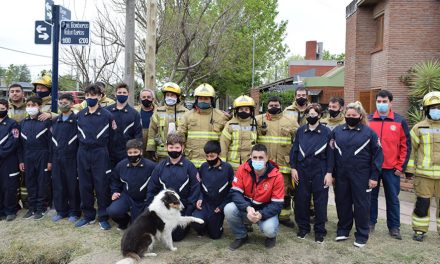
11, 217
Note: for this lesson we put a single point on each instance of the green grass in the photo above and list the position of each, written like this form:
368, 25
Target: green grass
28, 241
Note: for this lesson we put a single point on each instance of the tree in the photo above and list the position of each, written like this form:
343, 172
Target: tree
328, 56
16, 73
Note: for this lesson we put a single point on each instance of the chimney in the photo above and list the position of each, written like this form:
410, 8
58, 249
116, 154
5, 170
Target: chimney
311, 50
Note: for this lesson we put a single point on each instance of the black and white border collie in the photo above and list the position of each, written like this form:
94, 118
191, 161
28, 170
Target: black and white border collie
155, 223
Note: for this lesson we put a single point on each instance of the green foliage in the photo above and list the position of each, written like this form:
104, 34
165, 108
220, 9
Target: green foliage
286, 98
328, 56
66, 83
16, 73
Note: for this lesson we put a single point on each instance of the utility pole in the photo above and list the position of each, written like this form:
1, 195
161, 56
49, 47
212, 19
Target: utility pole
129, 47
150, 45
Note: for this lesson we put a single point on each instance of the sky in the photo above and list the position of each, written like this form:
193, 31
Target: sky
321, 20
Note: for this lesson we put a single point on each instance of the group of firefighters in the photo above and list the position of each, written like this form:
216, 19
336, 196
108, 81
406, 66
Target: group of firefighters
107, 150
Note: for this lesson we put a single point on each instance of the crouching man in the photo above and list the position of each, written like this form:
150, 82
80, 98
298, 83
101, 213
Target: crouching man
257, 198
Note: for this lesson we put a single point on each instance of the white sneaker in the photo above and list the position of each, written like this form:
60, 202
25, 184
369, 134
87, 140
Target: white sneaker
341, 238
359, 245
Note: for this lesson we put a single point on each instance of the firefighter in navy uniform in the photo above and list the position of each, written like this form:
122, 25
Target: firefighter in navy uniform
95, 135
64, 168
358, 162
178, 173
128, 123
424, 164
216, 181
312, 160
129, 183
35, 158
9, 171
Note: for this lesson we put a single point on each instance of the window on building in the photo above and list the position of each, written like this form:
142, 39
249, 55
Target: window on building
379, 32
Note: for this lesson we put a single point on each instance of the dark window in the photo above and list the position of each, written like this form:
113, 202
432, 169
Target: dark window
379, 33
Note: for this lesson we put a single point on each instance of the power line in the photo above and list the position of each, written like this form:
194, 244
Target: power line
24, 52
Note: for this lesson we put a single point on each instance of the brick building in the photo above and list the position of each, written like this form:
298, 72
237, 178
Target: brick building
384, 39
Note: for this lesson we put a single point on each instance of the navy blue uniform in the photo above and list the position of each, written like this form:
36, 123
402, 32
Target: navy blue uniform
131, 182
358, 158
312, 156
182, 178
214, 188
128, 122
9, 172
95, 133
64, 148
35, 154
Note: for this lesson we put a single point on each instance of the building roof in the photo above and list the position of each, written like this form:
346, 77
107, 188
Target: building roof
333, 78
314, 63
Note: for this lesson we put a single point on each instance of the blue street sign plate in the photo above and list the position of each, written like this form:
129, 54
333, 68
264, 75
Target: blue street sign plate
65, 13
75, 32
48, 10
43, 32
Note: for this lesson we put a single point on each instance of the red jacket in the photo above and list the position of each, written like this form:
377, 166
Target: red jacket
266, 196
394, 137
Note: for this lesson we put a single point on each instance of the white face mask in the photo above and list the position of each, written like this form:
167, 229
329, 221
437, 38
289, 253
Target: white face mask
32, 110
170, 100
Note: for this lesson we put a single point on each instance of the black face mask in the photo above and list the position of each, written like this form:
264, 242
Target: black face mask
352, 121
213, 162
146, 102
3, 113
312, 120
134, 159
174, 154
334, 113
243, 115
301, 101
274, 110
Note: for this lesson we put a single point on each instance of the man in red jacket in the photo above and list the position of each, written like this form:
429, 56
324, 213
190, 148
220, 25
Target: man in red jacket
257, 198
393, 133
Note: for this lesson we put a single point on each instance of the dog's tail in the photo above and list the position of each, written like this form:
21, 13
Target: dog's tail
130, 258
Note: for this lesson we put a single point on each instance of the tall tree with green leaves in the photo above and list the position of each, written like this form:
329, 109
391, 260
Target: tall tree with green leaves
17, 73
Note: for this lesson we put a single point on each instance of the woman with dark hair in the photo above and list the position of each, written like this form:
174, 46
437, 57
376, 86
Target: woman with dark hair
311, 160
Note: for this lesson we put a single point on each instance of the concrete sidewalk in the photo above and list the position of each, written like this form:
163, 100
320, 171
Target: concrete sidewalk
407, 200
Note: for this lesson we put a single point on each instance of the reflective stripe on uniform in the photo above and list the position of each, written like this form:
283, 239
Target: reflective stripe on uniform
82, 132
72, 139
426, 150
203, 135
128, 127
361, 147
4, 138
321, 149
197, 163
433, 172
274, 140
41, 133
227, 134
55, 141
284, 169
223, 187
420, 221
410, 163
414, 136
102, 131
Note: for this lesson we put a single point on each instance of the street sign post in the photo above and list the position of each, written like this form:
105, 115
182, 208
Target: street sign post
75, 32
48, 11
43, 32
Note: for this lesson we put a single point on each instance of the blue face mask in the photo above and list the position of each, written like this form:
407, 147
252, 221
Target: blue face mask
121, 98
204, 105
434, 114
43, 94
91, 101
382, 108
258, 164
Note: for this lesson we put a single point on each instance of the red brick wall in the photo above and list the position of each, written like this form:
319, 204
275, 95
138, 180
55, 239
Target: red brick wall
320, 70
311, 47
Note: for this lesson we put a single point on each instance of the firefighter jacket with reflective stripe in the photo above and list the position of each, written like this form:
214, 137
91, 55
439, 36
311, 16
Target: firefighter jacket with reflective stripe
265, 194
181, 177
132, 180
17, 112
237, 139
425, 152
9, 138
357, 152
35, 136
164, 118
332, 122
215, 184
394, 137
311, 150
200, 126
65, 137
293, 112
277, 132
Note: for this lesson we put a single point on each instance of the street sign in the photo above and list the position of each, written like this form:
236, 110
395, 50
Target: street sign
48, 11
75, 32
64, 13
43, 32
